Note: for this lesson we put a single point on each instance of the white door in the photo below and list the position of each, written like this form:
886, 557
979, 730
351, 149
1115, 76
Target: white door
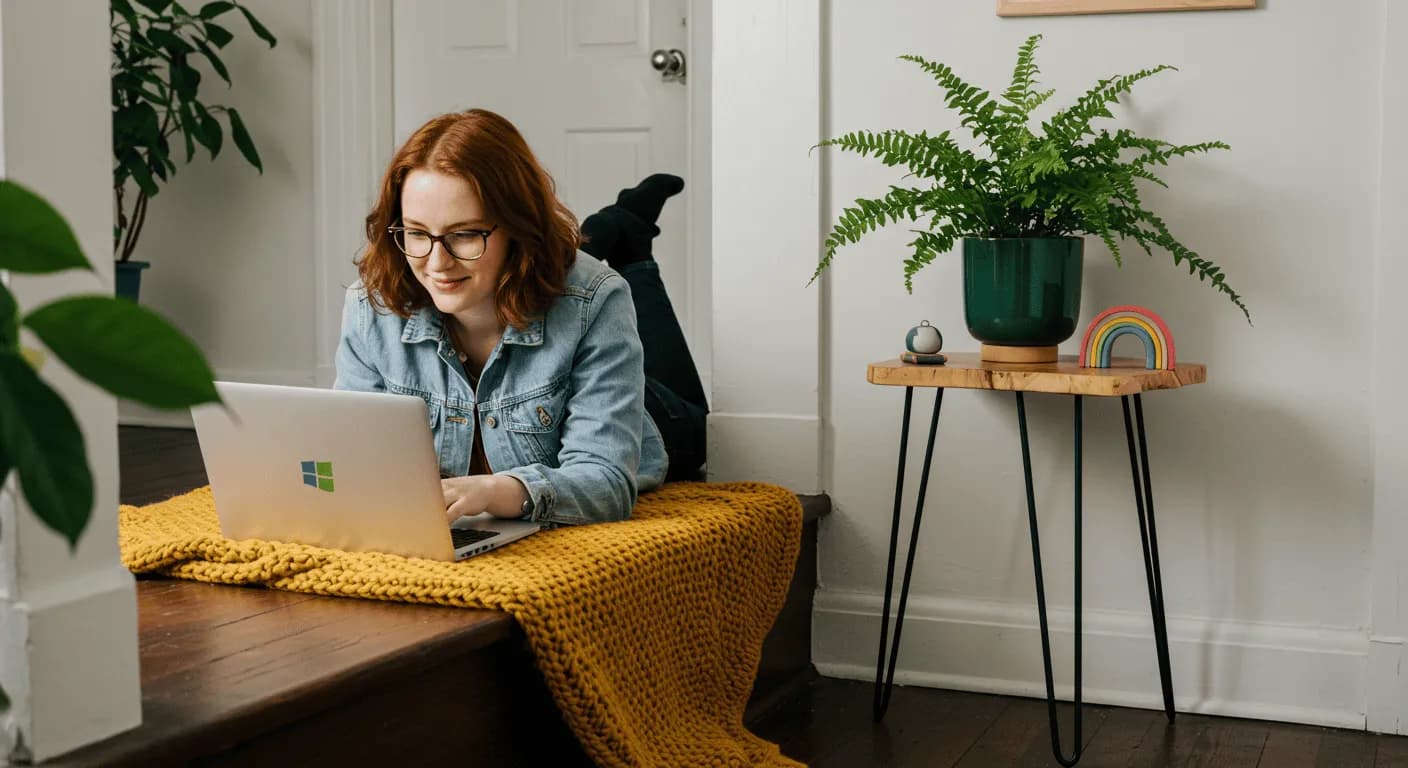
576, 77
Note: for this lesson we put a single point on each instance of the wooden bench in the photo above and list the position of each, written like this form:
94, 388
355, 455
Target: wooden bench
244, 676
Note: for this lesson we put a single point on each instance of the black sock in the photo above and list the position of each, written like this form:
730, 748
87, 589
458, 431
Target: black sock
601, 235
646, 199
621, 233
618, 236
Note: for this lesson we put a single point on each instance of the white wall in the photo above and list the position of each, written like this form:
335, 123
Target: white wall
1263, 477
68, 619
232, 251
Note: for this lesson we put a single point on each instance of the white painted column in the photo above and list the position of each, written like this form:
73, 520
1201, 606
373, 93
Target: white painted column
353, 141
766, 421
1387, 676
68, 623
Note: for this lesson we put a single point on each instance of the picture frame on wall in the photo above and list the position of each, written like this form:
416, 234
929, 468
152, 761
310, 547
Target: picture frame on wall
1070, 7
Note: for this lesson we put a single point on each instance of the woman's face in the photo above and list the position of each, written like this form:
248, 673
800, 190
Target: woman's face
438, 204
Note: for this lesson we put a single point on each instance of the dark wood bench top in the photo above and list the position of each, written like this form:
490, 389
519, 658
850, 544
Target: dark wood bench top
222, 664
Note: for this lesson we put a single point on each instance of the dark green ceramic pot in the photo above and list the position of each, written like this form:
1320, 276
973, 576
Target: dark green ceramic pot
1022, 291
127, 278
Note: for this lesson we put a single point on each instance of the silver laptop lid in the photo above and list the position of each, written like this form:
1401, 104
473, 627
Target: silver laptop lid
345, 470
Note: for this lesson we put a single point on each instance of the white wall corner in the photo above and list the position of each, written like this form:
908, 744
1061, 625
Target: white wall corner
766, 240
353, 140
68, 621
1388, 694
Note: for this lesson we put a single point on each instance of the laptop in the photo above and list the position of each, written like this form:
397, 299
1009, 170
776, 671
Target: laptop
353, 471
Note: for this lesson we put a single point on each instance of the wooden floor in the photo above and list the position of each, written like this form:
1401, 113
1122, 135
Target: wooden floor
931, 728
156, 464
926, 728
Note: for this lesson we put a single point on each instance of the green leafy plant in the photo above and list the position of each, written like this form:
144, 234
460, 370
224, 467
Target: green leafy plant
124, 348
1069, 179
155, 90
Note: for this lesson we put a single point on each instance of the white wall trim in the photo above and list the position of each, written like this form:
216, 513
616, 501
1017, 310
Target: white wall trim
353, 138
1289, 673
698, 220
1388, 678
767, 237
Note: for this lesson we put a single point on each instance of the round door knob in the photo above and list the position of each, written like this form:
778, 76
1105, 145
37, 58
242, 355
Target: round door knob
669, 63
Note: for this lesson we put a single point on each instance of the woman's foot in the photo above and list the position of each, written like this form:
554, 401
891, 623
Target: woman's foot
647, 198
621, 232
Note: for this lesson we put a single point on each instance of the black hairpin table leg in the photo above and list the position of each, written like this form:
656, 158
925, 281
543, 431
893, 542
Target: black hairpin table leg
1041, 587
1144, 504
885, 679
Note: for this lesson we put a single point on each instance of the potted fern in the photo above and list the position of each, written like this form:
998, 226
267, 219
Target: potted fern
1021, 203
155, 97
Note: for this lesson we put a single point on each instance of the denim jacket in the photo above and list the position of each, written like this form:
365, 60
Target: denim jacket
560, 402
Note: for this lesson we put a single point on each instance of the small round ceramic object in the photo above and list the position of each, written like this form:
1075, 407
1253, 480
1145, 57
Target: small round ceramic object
924, 339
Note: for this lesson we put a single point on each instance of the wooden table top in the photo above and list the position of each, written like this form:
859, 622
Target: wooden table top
965, 370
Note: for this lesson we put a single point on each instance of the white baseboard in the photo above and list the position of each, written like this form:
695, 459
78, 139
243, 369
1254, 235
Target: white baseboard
130, 414
769, 448
1287, 673
78, 678
1388, 685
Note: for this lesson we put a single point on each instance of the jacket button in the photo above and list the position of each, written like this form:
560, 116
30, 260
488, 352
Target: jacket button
490, 422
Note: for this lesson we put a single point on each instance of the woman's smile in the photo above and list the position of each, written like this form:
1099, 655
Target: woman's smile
447, 285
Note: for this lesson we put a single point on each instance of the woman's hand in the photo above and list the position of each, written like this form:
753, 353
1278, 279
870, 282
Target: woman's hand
499, 495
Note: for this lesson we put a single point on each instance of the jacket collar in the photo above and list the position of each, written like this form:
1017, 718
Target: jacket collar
427, 325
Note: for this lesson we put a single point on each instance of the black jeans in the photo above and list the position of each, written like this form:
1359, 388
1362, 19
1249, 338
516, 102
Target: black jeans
674, 397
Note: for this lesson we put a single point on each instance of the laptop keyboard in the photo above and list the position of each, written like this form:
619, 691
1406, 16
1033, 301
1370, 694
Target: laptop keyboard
463, 537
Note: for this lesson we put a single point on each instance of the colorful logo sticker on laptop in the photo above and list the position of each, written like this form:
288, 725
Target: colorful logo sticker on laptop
318, 474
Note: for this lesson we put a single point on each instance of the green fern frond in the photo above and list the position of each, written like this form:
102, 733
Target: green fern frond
1074, 122
1204, 269
927, 247
1147, 176
1024, 73
1037, 99
932, 157
1162, 155
972, 102
865, 216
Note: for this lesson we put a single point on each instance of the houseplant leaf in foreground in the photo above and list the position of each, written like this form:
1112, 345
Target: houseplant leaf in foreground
126, 349
41, 439
9, 321
34, 238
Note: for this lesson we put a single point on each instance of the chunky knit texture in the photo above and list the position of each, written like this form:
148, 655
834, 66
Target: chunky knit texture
648, 631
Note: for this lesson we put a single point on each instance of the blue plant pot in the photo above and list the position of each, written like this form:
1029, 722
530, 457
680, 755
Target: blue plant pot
128, 278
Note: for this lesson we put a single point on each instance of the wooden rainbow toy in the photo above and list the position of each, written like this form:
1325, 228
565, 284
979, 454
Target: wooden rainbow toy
1135, 321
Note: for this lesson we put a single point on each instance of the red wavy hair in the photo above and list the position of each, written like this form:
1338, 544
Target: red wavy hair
486, 150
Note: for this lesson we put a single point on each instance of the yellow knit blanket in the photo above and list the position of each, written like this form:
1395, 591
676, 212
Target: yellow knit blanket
648, 631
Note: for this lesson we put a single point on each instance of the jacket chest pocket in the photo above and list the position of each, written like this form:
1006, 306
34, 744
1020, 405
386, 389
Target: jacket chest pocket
533, 424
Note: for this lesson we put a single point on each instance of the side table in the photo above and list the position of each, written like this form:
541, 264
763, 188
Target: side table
1127, 380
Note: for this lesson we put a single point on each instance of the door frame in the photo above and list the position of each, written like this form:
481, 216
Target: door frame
353, 138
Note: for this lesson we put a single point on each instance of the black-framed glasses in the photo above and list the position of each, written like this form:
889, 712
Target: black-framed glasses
462, 244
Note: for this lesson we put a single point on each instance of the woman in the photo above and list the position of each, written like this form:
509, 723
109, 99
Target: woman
473, 297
